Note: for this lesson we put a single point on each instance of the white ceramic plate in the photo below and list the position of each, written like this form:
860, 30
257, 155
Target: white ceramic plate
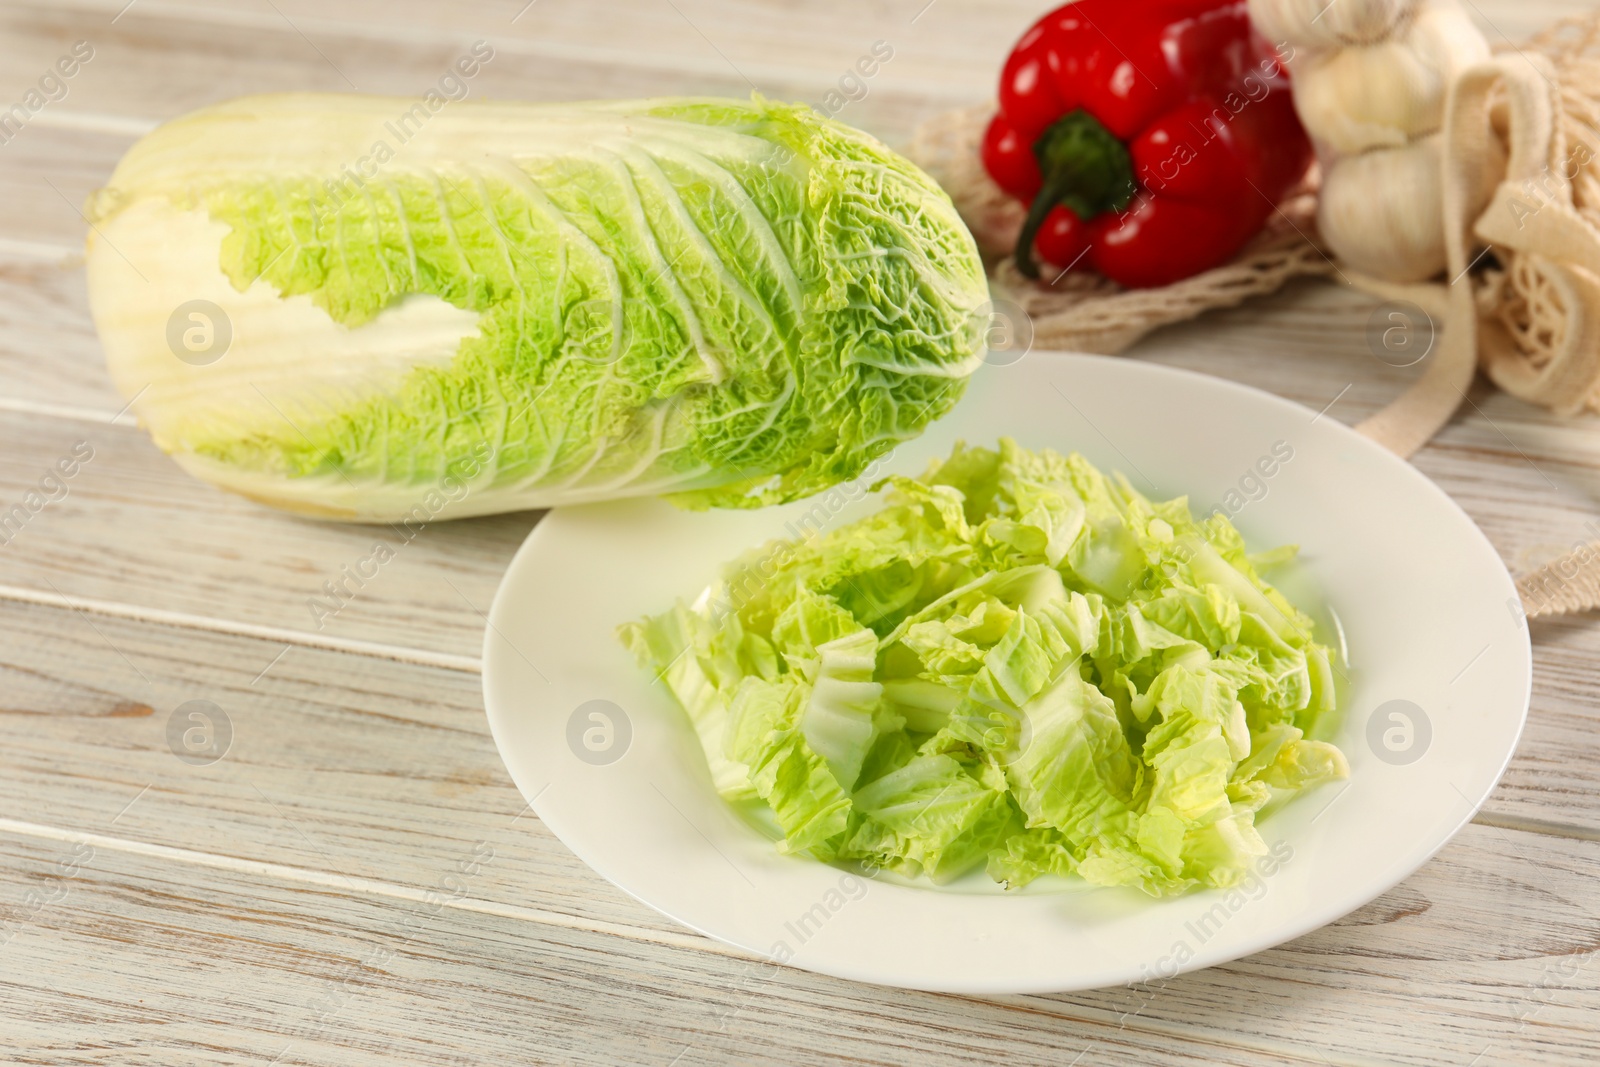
1426, 612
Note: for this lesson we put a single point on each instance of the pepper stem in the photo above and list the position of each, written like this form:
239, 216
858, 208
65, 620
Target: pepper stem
1085, 168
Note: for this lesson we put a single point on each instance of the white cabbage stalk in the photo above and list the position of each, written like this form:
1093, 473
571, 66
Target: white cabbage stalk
353, 308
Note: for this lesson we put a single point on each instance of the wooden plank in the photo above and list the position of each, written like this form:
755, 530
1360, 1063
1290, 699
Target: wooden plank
1398, 981
252, 967
948, 50
340, 766
49, 354
133, 528
47, 176
1488, 954
939, 45
369, 768
370, 771
1551, 777
161, 61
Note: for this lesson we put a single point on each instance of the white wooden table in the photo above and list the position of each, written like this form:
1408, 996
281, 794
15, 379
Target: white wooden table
277, 906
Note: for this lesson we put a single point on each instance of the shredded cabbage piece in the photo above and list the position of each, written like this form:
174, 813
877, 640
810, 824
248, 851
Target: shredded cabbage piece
1020, 664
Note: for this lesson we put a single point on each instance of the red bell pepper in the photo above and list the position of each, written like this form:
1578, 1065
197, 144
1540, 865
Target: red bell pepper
1151, 138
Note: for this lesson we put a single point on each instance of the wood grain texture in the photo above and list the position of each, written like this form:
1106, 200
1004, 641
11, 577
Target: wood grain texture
48, 351
239, 560
356, 778
276, 968
224, 905
332, 756
948, 52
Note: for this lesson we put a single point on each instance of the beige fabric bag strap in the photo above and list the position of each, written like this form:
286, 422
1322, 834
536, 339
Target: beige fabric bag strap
1412, 420
1529, 212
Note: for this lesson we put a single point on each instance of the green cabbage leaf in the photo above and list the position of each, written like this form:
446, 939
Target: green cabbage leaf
1018, 665
334, 305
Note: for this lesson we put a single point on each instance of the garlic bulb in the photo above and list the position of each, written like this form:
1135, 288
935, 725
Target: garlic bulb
1319, 24
1370, 80
1396, 235
1388, 93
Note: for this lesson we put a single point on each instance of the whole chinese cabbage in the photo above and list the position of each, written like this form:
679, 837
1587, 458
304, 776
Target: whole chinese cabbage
1019, 664
353, 307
